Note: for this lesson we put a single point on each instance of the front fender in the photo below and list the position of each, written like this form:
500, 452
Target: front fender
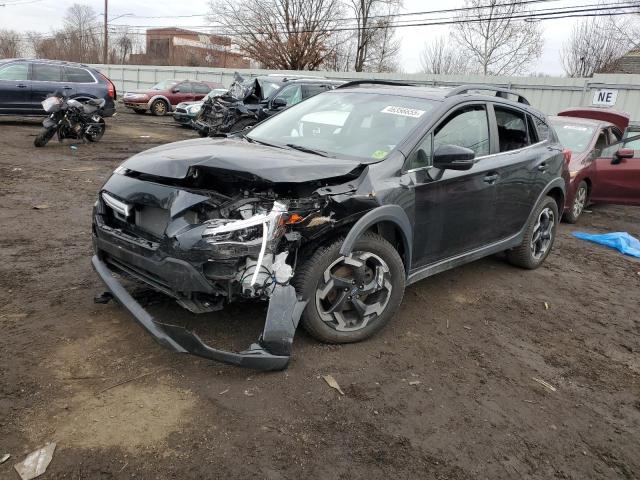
384, 213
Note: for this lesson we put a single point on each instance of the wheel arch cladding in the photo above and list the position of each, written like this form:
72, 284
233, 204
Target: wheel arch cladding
557, 194
387, 220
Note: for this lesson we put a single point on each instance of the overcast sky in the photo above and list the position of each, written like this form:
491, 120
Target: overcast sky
46, 15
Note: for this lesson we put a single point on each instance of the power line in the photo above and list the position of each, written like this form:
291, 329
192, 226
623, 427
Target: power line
538, 14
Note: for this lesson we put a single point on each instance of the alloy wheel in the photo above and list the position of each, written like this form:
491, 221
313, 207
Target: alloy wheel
353, 291
580, 202
542, 233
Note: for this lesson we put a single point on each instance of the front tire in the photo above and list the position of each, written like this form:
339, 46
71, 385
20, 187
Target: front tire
159, 108
44, 136
98, 134
538, 238
351, 298
579, 202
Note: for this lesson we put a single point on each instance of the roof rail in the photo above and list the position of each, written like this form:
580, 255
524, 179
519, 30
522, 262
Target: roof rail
374, 82
500, 92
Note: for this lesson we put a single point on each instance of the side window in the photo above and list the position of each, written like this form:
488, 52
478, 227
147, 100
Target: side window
201, 88
47, 73
291, 94
467, 127
15, 72
185, 87
77, 75
312, 90
543, 129
421, 156
512, 129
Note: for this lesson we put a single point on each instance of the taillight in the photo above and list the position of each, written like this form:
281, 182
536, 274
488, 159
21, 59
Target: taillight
567, 155
111, 88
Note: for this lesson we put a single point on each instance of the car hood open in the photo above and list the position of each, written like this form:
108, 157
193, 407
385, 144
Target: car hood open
249, 160
618, 118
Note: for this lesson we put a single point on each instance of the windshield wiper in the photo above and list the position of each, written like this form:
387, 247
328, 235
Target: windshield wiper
253, 140
307, 150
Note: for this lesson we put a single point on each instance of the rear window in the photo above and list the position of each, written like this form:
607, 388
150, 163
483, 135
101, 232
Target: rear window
574, 136
77, 75
512, 129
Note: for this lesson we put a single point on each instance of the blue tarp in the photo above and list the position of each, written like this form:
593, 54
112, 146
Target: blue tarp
621, 241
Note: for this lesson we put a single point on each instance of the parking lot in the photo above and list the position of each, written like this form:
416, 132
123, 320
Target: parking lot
448, 390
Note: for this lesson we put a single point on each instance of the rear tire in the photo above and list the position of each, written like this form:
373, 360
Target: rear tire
44, 136
539, 237
579, 203
159, 108
371, 280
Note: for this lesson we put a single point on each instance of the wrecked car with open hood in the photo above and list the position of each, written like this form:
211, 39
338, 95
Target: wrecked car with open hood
329, 209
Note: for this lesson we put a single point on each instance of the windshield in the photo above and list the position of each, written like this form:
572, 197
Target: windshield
366, 126
632, 132
164, 85
576, 137
267, 87
216, 92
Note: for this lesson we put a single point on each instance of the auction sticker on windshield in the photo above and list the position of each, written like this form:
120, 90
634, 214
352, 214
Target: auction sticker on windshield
403, 111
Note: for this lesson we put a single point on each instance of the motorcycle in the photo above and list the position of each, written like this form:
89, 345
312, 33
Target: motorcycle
231, 112
70, 118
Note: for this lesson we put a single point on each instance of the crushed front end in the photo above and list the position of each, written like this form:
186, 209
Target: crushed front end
207, 247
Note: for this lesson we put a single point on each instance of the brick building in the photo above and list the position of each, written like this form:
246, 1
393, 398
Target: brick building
180, 47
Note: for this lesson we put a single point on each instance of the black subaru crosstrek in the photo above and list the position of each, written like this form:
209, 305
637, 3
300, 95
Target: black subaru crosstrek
25, 83
330, 209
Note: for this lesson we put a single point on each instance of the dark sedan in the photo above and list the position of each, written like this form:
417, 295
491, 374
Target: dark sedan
24, 84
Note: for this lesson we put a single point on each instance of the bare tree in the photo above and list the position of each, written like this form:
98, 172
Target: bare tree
494, 41
123, 44
384, 48
281, 34
442, 58
10, 44
81, 37
595, 45
369, 18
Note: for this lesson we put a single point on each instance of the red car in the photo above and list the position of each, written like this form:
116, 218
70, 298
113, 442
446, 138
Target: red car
165, 95
601, 169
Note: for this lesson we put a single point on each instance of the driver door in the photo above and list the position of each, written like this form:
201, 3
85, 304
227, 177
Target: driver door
454, 210
617, 173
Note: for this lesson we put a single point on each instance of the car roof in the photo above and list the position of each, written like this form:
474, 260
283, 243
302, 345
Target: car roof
323, 81
45, 60
580, 121
442, 94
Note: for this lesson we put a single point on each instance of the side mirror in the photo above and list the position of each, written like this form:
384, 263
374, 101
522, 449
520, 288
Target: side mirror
176, 90
278, 103
453, 157
622, 153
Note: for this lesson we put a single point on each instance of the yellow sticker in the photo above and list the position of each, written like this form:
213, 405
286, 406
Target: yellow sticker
379, 154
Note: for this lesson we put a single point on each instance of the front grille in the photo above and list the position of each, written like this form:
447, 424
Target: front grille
146, 222
152, 220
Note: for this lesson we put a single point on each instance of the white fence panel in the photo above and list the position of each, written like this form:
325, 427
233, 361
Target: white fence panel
549, 94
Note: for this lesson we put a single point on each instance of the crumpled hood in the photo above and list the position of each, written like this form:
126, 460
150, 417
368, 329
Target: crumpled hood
272, 164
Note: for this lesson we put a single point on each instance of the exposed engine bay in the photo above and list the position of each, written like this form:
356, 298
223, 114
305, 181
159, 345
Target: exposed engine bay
207, 247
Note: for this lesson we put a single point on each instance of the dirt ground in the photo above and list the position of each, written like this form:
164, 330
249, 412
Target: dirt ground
474, 338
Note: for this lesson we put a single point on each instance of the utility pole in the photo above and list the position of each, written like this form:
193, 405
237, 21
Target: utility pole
105, 47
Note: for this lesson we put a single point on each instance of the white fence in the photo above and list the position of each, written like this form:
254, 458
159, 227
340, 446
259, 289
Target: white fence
549, 94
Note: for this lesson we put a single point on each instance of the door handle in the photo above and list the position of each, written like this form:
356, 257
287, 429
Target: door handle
21, 85
542, 167
67, 88
491, 178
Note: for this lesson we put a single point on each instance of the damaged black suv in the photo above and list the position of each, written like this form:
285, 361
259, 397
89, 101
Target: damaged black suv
330, 209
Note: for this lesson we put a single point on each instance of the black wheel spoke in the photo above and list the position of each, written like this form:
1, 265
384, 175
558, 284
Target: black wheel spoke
339, 303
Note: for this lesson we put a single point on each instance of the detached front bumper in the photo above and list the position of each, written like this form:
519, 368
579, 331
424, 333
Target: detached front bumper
272, 352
